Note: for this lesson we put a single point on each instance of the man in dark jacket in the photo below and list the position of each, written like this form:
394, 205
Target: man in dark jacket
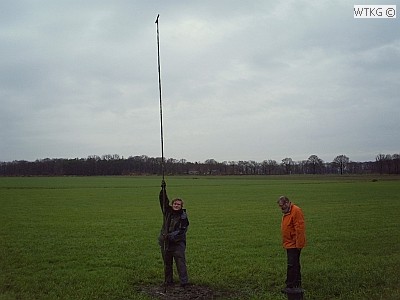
172, 237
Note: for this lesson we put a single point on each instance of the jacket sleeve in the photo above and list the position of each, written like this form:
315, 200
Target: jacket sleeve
164, 202
299, 227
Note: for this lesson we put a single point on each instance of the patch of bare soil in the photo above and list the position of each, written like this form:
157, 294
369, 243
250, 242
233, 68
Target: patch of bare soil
192, 291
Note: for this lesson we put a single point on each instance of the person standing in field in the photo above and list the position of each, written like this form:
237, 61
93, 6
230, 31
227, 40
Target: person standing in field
172, 238
293, 239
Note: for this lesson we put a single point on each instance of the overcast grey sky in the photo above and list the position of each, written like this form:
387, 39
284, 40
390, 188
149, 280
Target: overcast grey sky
241, 80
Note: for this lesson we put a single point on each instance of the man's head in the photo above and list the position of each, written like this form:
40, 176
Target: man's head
284, 204
177, 204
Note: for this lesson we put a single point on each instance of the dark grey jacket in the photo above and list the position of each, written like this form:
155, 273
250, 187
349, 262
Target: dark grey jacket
175, 223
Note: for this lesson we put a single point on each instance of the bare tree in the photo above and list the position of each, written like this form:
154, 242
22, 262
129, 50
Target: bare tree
254, 167
384, 162
389, 163
396, 163
269, 166
232, 165
315, 163
288, 164
341, 161
379, 159
212, 166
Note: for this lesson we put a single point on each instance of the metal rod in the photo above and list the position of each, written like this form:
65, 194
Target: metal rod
162, 160
161, 111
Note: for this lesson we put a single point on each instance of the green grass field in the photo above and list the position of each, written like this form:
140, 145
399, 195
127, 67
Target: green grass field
96, 237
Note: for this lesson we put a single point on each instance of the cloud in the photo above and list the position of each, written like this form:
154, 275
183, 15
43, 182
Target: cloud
240, 81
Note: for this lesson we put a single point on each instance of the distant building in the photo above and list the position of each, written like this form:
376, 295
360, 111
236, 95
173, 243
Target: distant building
193, 172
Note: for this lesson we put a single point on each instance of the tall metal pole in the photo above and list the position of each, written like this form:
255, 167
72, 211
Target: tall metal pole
161, 114
165, 229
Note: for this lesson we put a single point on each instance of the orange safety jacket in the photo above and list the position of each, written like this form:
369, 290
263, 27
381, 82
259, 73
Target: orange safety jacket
293, 228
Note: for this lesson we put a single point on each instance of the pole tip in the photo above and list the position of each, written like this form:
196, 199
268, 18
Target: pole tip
157, 18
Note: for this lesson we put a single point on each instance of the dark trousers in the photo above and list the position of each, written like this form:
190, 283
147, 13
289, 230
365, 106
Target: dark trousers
177, 253
293, 276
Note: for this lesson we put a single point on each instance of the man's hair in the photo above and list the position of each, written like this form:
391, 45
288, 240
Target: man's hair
177, 199
283, 199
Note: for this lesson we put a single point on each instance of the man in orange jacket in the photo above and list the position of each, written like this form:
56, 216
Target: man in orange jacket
293, 239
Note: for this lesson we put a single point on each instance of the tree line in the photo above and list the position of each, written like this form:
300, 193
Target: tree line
95, 165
